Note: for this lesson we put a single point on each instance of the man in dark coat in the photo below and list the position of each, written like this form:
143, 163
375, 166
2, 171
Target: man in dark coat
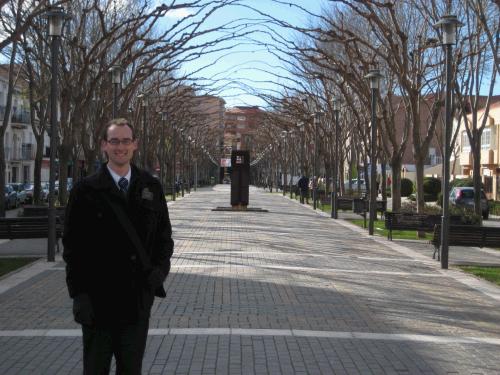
111, 289
303, 185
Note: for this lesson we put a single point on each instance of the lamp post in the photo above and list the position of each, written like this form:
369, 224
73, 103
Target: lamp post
334, 199
292, 161
116, 79
284, 135
195, 161
317, 120
174, 162
164, 117
56, 17
144, 104
374, 76
182, 166
448, 25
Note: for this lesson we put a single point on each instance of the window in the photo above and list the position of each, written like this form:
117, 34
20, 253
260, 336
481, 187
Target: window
486, 138
465, 142
241, 118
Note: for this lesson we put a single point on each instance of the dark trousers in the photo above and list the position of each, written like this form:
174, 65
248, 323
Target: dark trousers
304, 195
126, 342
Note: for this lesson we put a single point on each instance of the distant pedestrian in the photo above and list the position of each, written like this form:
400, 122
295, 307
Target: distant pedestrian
303, 185
117, 247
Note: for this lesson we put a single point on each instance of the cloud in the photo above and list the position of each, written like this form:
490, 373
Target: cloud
178, 13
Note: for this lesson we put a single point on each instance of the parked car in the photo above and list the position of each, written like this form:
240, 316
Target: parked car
463, 196
355, 184
30, 190
21, 192
69, 185
10, 197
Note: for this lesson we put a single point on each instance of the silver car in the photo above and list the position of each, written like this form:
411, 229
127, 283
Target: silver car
10, 197
463, 196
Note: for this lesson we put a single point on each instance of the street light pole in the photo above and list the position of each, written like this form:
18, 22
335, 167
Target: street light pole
116, 78
56, 17
164, 117
448, 25
317, 120
174, 162
283, 134
292, 161
144, 104
374, 76
336, 110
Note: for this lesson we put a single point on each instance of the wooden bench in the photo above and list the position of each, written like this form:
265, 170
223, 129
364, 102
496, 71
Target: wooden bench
410, 221
361, 206
467, 235
35, 210
28, 227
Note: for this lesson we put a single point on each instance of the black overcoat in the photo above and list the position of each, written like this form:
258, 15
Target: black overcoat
100, 258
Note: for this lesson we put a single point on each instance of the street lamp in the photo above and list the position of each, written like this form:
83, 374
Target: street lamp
164, 118
284, 135
116, 79
56, 17
334, 199
291, 161
182, 161
374, 76
144, 104
448, 25
174, 162
317, 120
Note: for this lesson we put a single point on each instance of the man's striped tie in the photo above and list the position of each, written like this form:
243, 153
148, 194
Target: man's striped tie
123, 184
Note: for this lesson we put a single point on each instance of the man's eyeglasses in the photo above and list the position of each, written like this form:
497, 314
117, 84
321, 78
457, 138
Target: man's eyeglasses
124, 141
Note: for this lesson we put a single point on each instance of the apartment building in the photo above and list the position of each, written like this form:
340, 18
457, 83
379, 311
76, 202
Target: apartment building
19, 140
490, 150
241, 125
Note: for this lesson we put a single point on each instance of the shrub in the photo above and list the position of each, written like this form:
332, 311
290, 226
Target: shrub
411, 207
432, 187
406, 187
461, 182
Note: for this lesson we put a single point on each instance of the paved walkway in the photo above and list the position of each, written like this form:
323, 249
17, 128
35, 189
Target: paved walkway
284, 292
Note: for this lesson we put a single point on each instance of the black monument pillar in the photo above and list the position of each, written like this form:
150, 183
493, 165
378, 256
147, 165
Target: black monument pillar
240, 178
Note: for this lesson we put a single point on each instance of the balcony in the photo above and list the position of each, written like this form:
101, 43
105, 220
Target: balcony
21, 117
18, 117
24, 153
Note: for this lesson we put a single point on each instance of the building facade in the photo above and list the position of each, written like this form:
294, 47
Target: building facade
490, 150
19, 140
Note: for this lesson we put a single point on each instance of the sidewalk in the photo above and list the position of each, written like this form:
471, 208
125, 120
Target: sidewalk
285, 292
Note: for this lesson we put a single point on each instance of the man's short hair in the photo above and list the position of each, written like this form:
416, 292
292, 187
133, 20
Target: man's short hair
118, 122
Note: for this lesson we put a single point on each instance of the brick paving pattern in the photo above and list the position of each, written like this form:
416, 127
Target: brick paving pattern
284, 292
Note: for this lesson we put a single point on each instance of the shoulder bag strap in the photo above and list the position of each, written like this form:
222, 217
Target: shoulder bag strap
129, 228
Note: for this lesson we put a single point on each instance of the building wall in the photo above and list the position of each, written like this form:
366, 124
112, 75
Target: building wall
490, 151
19, 140
241, 124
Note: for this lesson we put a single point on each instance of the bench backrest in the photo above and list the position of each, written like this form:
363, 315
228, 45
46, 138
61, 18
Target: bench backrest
469, 235
27, 227
411, 220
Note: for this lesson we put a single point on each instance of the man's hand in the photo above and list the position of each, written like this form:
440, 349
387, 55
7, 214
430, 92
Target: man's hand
82, 310
155, 278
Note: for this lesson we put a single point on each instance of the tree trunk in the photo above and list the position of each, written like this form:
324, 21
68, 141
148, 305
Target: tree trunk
419, 166
396, 165
476, 170
383, 183
37, 191
64, 157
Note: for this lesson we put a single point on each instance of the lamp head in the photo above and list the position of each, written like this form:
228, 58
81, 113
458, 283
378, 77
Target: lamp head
374, 76
56, 18
116, 74
448, 25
